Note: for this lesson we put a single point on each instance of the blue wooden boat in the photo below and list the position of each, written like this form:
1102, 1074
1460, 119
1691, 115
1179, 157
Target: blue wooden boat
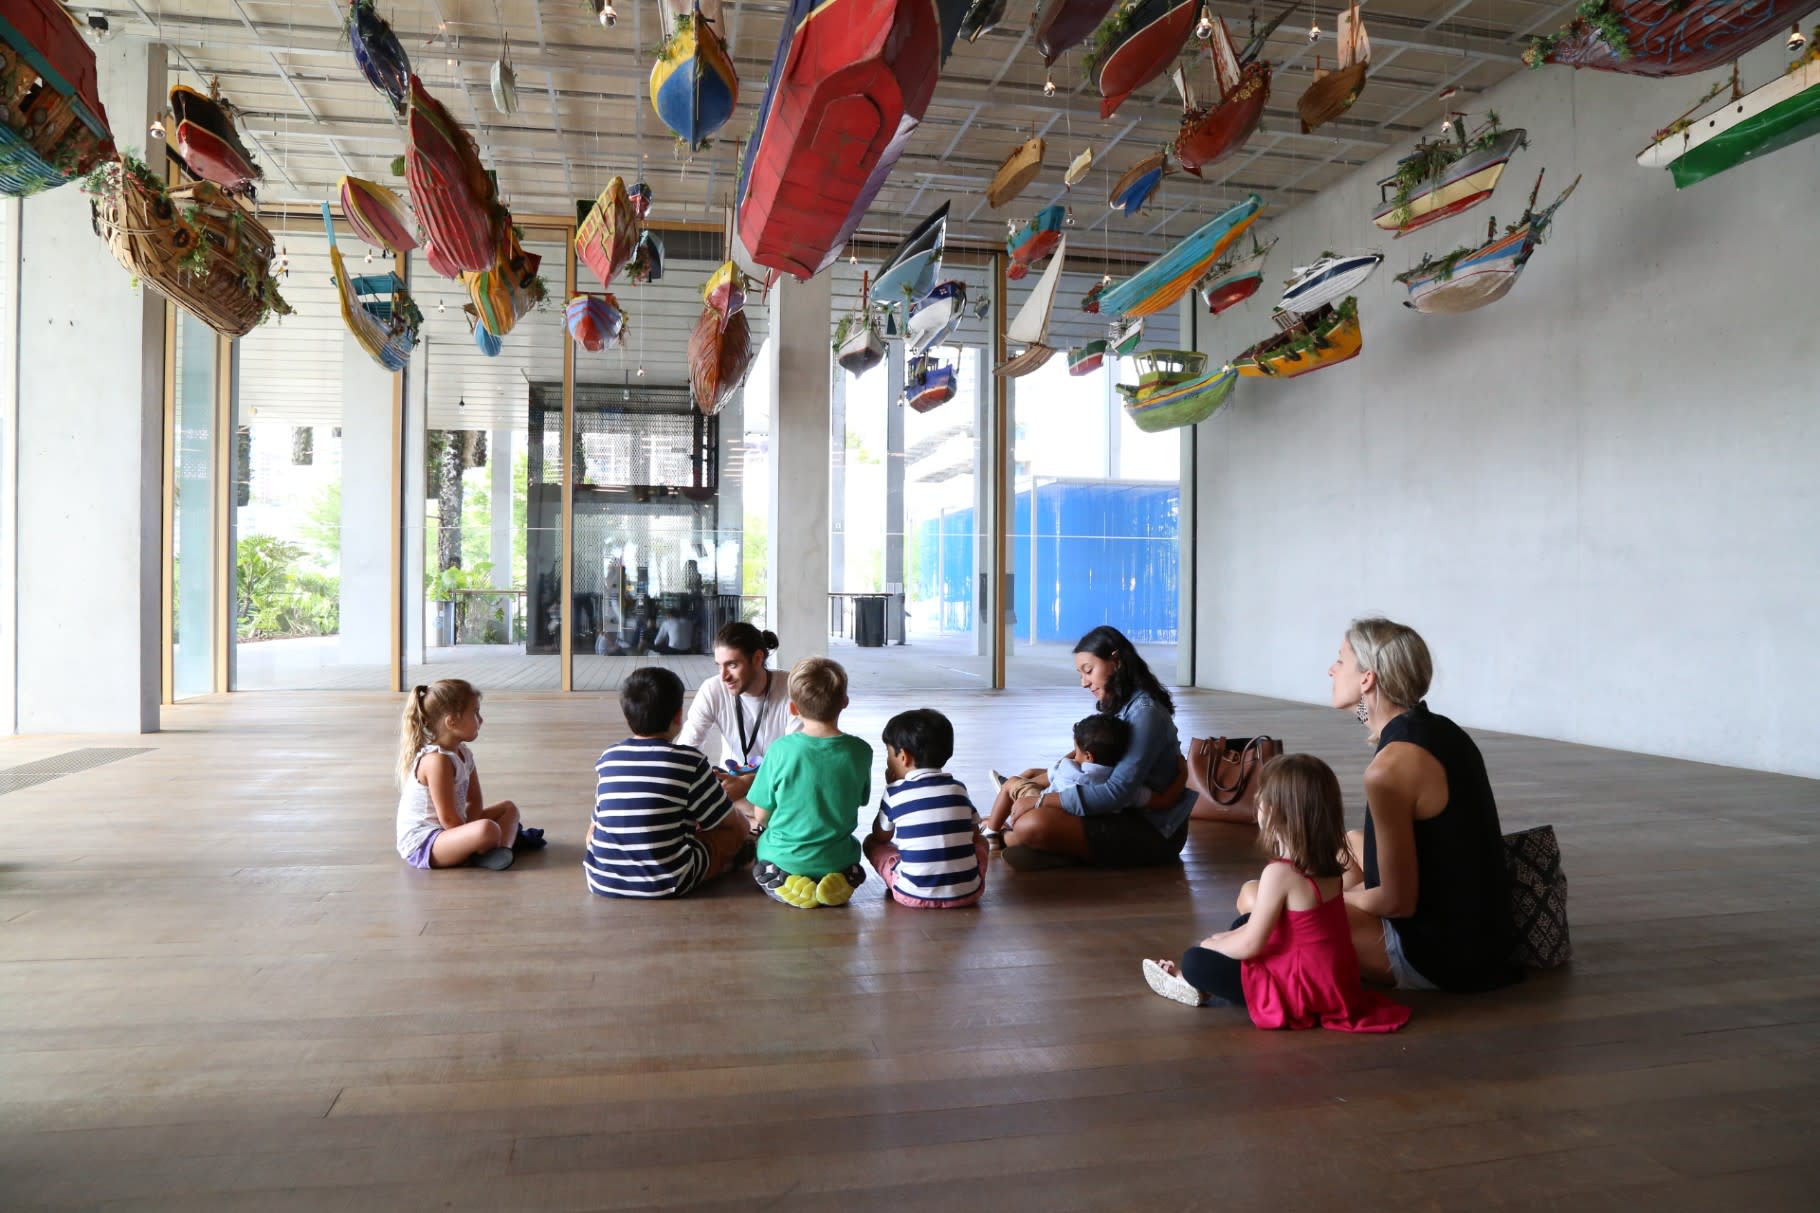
379, 54
694, 87
377, 308
1034, 241
912, 266
935, 316
1139, 184
1165, 280
928, 383
484, 339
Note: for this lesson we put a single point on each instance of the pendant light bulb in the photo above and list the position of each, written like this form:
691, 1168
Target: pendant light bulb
442, 306
158, 128
1049, 86
1070, 217
608, 18
1314, 30
1204, 30
641, 372
1446, 126
369, 256
1796, 39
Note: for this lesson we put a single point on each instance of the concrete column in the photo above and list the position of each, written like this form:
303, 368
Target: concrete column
9, 462
90, 450
499, 459
416, 439
797, 579
366, 508
837, 480
1188, 513
894, 473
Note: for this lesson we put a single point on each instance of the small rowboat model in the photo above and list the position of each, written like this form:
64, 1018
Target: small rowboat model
505, 294
1134, 190
857, 344
1139, 40
1326, 280
1665, 37
208, 142
694, 86
504, 81
1210, 133
720, 356
928, 383
1175, 388
595, 321
848, 87
935, 316
1088, 359
1030, 326
1333, 91
1034, 241
378, 53
1308, 343
1233, 281
1060, 24
377, 215
451, 191
52, 125
1165, 280
1125, 338
608, 234
982, 17
1017, 172
485, 340
377, 308
1090, 302
1469, 278
911, 268
725, 290
1077, 169
1765, 120
1444, 177
647, 264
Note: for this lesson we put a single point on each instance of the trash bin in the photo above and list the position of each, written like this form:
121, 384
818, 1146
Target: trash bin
869, 621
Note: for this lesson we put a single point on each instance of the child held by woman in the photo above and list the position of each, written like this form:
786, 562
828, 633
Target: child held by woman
1289, 961
1099, 742
925, 844
442, 819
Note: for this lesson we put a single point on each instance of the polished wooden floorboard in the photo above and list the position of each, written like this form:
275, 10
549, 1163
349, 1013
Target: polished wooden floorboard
220, 989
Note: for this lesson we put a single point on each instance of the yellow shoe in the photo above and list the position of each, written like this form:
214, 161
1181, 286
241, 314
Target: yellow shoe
833, 890
798, 891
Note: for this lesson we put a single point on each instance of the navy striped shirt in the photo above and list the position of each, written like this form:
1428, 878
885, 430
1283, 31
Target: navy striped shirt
931, 821
652, 798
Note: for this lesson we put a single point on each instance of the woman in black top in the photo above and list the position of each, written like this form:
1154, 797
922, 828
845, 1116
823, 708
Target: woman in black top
1427, 891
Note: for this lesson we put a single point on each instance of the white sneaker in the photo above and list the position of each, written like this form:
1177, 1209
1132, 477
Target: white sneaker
1172, 985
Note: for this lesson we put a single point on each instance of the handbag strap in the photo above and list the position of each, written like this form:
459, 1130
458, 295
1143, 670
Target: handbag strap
1224, 794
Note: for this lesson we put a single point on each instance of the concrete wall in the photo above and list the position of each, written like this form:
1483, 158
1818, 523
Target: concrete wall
1597, 498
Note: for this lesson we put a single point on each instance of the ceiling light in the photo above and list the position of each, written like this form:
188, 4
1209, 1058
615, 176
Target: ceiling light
1446, 125
1796, 39
1314, 30
1049, 87
608, 18
641, 372
461, 403
442, 305
1204, 30
369, 256
158, 128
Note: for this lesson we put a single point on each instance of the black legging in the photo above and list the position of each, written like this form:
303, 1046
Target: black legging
1213, 972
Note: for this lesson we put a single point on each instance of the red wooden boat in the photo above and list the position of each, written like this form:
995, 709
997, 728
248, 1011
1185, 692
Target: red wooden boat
848, 87
1141, 39
452, 193
1060, 24
208, 142
719, 358
52, 124
607, 235
1667, 37
1034, 241
1212, 132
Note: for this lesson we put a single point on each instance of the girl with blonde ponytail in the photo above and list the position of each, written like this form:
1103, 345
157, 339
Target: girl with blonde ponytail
442, 819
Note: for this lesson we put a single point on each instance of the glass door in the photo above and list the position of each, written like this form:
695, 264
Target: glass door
192, 472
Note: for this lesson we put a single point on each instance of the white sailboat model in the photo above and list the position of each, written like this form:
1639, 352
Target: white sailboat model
1031, 324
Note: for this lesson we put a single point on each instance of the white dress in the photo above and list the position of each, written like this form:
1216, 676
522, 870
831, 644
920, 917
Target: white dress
417, 819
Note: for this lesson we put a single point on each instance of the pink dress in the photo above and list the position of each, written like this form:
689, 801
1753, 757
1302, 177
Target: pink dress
1308, 975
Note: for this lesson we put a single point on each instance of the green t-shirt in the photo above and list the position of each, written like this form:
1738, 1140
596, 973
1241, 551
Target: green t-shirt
814, 788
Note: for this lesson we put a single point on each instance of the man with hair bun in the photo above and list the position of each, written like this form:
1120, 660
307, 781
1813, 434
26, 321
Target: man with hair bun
746, 702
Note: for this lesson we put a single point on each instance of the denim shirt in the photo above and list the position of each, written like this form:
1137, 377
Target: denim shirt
1149, 764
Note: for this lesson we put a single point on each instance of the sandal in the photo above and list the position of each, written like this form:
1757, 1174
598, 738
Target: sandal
1172, 985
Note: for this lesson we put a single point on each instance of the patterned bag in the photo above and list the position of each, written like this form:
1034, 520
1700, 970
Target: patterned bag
1538, 898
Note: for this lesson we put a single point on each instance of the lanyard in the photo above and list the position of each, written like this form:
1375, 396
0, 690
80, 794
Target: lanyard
739, 718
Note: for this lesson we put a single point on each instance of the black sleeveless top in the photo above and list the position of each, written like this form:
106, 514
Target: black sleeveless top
1459, 937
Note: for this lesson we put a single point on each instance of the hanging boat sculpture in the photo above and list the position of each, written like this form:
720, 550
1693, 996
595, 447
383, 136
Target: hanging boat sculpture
935, 317
720, 356
608, 235
1019, 169
1233, 281
377, 215
1330, 277
928, 383
1030, 327
1090, 302
1175, 388
1077, 169
505, 294
504, 81
1139, 184
909, 272
195, 245
1060, 24
1321, 339
1469, 278
982, 17
377, 308
1446, 176
1333, 92
1665, 37
857, 344
1169, 277
378, 53
453, 194
1135, 45
694, 85
640, 194
485, 339
1765, 120
1125, 338
208, 142
725, 291
1034, 241
647, 264
52, 124
1210, 133
848, 87
595, 321
1088, 359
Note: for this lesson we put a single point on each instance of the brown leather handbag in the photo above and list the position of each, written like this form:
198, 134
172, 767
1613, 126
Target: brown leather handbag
1226, 772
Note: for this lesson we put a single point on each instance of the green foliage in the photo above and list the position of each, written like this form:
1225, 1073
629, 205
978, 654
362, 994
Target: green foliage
1432, 158
682, 25
755, 557
322, 525
442, 587
1595, 19
1111, 32
274, 597
1311, 334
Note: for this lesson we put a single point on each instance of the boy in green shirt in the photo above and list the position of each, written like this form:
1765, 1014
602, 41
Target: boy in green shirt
808, 794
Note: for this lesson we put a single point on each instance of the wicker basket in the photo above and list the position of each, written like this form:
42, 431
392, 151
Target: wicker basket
43, 141
155, 234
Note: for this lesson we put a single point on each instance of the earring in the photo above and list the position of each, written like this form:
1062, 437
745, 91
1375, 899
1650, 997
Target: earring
1362, 712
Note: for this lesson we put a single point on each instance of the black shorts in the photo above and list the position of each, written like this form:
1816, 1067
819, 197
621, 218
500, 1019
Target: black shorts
1128, 840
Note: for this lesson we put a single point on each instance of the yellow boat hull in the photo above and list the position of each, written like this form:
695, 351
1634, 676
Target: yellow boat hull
1343, 343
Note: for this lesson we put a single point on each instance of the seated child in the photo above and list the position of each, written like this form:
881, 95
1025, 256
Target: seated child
662, 825
1289, 962
1099, 742
938, 860
808, 794
442, 819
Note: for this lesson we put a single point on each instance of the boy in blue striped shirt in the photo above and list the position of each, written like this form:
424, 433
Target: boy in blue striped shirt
662, 825
925, 843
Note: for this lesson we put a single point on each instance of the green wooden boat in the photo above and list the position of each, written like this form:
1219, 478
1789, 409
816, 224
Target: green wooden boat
1175, 388
1765, 120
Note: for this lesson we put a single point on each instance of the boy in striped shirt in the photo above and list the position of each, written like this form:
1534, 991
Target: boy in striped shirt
662, 825
925, 843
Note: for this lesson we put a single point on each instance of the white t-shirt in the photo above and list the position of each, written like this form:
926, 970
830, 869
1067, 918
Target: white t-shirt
763, 718
677, 633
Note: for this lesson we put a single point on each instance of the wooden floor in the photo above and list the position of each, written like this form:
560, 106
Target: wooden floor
220, 988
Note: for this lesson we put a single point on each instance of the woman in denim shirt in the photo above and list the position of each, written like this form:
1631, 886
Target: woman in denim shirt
1139, 816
